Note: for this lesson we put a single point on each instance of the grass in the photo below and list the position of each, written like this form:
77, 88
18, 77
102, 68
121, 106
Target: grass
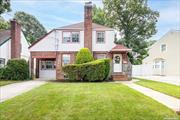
6, 82
83, 101
169, 89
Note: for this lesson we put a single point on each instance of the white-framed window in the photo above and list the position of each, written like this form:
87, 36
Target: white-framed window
70, 37
47, 65
100, 35
163, 47
2, 62
156, 64
66, 37
75, 36
101, 56
66, 59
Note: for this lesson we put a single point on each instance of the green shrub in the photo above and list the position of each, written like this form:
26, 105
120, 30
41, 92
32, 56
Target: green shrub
84, 56
107, 67
1, 73
92, 71
16, 69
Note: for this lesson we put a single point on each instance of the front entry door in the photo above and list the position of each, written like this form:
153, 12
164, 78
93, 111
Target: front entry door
117, 62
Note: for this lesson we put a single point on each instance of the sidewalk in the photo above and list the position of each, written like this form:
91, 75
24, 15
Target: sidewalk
12, 90
167, 79
171, 102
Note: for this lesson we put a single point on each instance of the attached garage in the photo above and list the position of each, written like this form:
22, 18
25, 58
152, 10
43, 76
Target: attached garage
47, 69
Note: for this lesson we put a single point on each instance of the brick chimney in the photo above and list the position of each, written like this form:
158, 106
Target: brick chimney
15, 39
88, 25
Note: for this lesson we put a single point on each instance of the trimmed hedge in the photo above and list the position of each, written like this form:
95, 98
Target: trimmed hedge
16, 69
97, 70
1, 73
84, 56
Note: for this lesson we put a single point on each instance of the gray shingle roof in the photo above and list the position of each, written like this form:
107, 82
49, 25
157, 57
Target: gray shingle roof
81, 26
4, 36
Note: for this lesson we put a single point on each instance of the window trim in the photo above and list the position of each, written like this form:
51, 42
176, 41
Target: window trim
4, 62
62, 59
104, 37
165, 47
70, 37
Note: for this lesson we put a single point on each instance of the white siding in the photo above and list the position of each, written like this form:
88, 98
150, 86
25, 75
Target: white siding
109, 42
53, 42
5, 50
24, 48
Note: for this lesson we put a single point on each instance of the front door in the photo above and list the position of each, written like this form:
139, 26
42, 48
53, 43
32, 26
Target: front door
162, 67
117, 62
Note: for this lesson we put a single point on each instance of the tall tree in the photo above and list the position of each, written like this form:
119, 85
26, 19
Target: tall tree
32, 28
98, 15
4, 24
4, 6
134, 19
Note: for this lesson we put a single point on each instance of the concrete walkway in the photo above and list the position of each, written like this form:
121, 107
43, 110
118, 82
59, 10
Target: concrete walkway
12, 90
167, 79
171, 102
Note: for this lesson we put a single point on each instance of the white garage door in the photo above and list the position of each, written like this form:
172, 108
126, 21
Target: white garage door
47, 74
47, 70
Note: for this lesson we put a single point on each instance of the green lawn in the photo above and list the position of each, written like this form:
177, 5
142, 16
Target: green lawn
83, 101
6, 82
166, 88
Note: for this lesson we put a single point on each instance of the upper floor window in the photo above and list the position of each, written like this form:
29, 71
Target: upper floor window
100, 37
70, 37
2, 62
163, 47
65, 59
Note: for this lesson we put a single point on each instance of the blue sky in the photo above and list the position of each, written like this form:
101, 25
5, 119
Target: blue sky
56, 13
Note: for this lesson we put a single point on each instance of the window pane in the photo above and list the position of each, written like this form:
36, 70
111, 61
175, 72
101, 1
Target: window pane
100, 37
2, 62
101, 56
66, 37
47, 65
66, 59
75, 36
163, 47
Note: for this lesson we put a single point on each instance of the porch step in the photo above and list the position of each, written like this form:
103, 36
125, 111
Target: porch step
119, 77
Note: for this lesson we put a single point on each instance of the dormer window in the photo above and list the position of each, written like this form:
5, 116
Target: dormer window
163, 47
100, 37
70, 37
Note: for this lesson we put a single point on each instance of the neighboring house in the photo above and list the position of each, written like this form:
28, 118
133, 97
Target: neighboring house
164, 55
13, 44
60, 45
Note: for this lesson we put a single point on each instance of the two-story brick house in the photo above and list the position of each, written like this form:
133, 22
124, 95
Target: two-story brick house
60, 45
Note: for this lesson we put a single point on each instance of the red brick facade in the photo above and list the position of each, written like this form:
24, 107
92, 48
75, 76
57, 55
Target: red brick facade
15, 39
88, 26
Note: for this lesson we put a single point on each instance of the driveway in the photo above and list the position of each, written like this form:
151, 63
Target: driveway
167, 79
12, 90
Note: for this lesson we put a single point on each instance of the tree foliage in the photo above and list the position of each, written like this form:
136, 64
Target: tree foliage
4, 24
4, 6
134, 19
32, 28
98, 15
